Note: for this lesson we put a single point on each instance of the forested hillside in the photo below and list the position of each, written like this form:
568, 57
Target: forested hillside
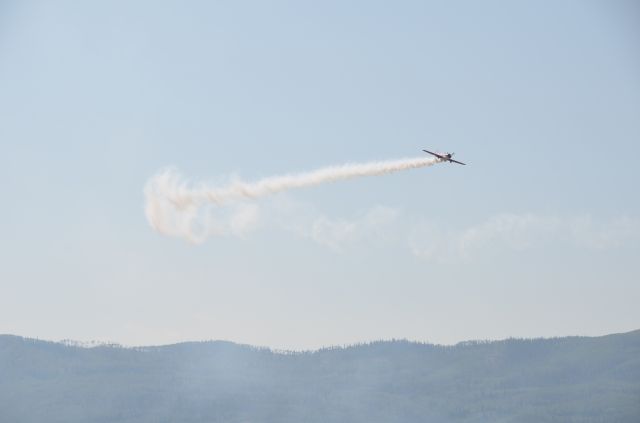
575, 379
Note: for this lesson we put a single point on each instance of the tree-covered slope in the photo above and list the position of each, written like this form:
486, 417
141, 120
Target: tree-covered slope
575, 379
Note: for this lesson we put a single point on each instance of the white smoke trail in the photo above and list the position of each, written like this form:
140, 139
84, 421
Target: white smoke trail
175, 208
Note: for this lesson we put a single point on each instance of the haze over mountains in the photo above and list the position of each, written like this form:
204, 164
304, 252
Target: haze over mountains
573, 379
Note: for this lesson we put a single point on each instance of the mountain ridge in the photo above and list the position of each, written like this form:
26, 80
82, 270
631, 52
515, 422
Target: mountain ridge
113, 344
577, 379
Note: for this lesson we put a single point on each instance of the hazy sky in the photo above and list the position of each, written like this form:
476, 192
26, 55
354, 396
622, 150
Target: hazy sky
538, 236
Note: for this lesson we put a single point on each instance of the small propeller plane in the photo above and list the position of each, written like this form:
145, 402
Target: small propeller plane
445, 157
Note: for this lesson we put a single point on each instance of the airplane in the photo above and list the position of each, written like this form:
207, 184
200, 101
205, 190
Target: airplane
445, 157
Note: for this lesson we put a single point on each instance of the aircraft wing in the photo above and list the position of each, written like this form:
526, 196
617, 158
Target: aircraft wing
455, 161
435, 154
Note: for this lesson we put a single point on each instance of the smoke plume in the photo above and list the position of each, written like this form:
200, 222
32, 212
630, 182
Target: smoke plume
176, 208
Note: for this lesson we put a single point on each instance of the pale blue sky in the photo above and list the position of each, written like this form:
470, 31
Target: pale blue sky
538, 236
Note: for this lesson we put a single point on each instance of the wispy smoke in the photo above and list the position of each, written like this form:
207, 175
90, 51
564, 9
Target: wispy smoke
176, 208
